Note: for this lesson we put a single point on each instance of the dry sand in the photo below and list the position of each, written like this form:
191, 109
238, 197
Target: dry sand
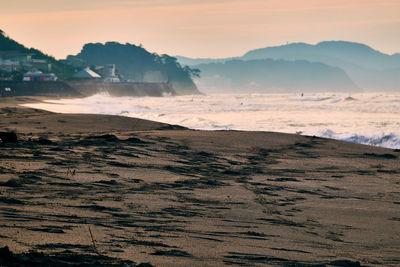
168, 196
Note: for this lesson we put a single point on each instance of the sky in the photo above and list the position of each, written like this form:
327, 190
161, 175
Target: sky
199, 28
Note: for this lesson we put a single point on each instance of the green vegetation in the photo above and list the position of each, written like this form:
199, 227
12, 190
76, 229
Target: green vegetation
14, 75
134, 62
8, 45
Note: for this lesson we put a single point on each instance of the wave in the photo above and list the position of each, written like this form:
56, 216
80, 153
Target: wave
391, 140
365, 117
312, 99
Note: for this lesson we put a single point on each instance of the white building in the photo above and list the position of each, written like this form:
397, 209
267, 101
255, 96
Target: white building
38, 76
108, 72
112, 80
9, 65
86, 73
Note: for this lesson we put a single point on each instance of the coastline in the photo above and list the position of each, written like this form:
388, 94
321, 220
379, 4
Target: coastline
85, 88
370, 119
151, 192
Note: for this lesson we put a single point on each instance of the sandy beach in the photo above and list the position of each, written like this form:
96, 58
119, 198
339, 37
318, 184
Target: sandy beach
118, 191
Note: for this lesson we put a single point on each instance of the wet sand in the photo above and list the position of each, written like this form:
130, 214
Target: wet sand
120, 191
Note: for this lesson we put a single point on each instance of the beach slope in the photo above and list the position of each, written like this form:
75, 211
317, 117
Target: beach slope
131, 191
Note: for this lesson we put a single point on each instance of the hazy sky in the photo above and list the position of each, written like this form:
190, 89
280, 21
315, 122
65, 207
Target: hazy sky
199, 28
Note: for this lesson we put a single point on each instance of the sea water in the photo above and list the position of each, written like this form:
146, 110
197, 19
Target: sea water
370, 118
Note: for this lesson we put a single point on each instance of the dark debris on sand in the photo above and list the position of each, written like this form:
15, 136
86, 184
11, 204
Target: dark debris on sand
164, 197
8, 137
60, 259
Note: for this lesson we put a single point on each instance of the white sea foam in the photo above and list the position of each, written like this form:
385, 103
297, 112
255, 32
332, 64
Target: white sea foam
372, 119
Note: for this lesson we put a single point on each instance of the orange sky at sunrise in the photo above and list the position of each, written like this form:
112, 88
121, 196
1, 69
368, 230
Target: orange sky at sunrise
194, 28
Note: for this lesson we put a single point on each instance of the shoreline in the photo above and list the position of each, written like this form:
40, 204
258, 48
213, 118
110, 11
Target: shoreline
268, 120
85, 88
170, 196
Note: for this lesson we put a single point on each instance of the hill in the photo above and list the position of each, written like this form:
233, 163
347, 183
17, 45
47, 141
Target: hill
187, 61
136, 63
8, 47
368, 68
268, 75
332, 52
133, 62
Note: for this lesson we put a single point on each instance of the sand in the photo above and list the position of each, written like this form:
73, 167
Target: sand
109, 190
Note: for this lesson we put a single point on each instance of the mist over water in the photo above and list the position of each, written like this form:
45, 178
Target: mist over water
372, 118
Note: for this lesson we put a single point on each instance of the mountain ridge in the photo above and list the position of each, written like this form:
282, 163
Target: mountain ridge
370, 69
269, 75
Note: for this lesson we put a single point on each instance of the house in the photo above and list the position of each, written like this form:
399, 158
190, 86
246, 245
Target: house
86, 73
38, 76
21, 58
112, 80
9, 65
108, 72
42, 64
16, 61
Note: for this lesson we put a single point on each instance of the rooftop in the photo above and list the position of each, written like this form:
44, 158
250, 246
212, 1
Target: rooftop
86, 73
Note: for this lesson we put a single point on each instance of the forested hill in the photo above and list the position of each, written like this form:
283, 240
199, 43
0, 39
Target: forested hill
268, 75
368, 68
8, 45
136, 63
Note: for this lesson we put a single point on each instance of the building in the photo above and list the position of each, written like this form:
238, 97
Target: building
40, 64
38, 76
112, 80
21, 58
9, 65
86, 73
15, 61
108, 72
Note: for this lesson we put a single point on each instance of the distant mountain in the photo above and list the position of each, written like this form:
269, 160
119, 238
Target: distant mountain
334, 52
268, 75
368, 68
8, 47
187, 61
136, 63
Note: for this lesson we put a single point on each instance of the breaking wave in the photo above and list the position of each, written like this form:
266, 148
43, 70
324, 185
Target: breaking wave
383, 140
371, 119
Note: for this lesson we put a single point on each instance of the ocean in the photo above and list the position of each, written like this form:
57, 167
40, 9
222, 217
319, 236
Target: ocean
369, 118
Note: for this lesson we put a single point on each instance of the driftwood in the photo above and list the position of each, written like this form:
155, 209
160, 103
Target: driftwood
8, 137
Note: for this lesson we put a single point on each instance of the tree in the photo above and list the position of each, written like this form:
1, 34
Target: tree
193, 73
